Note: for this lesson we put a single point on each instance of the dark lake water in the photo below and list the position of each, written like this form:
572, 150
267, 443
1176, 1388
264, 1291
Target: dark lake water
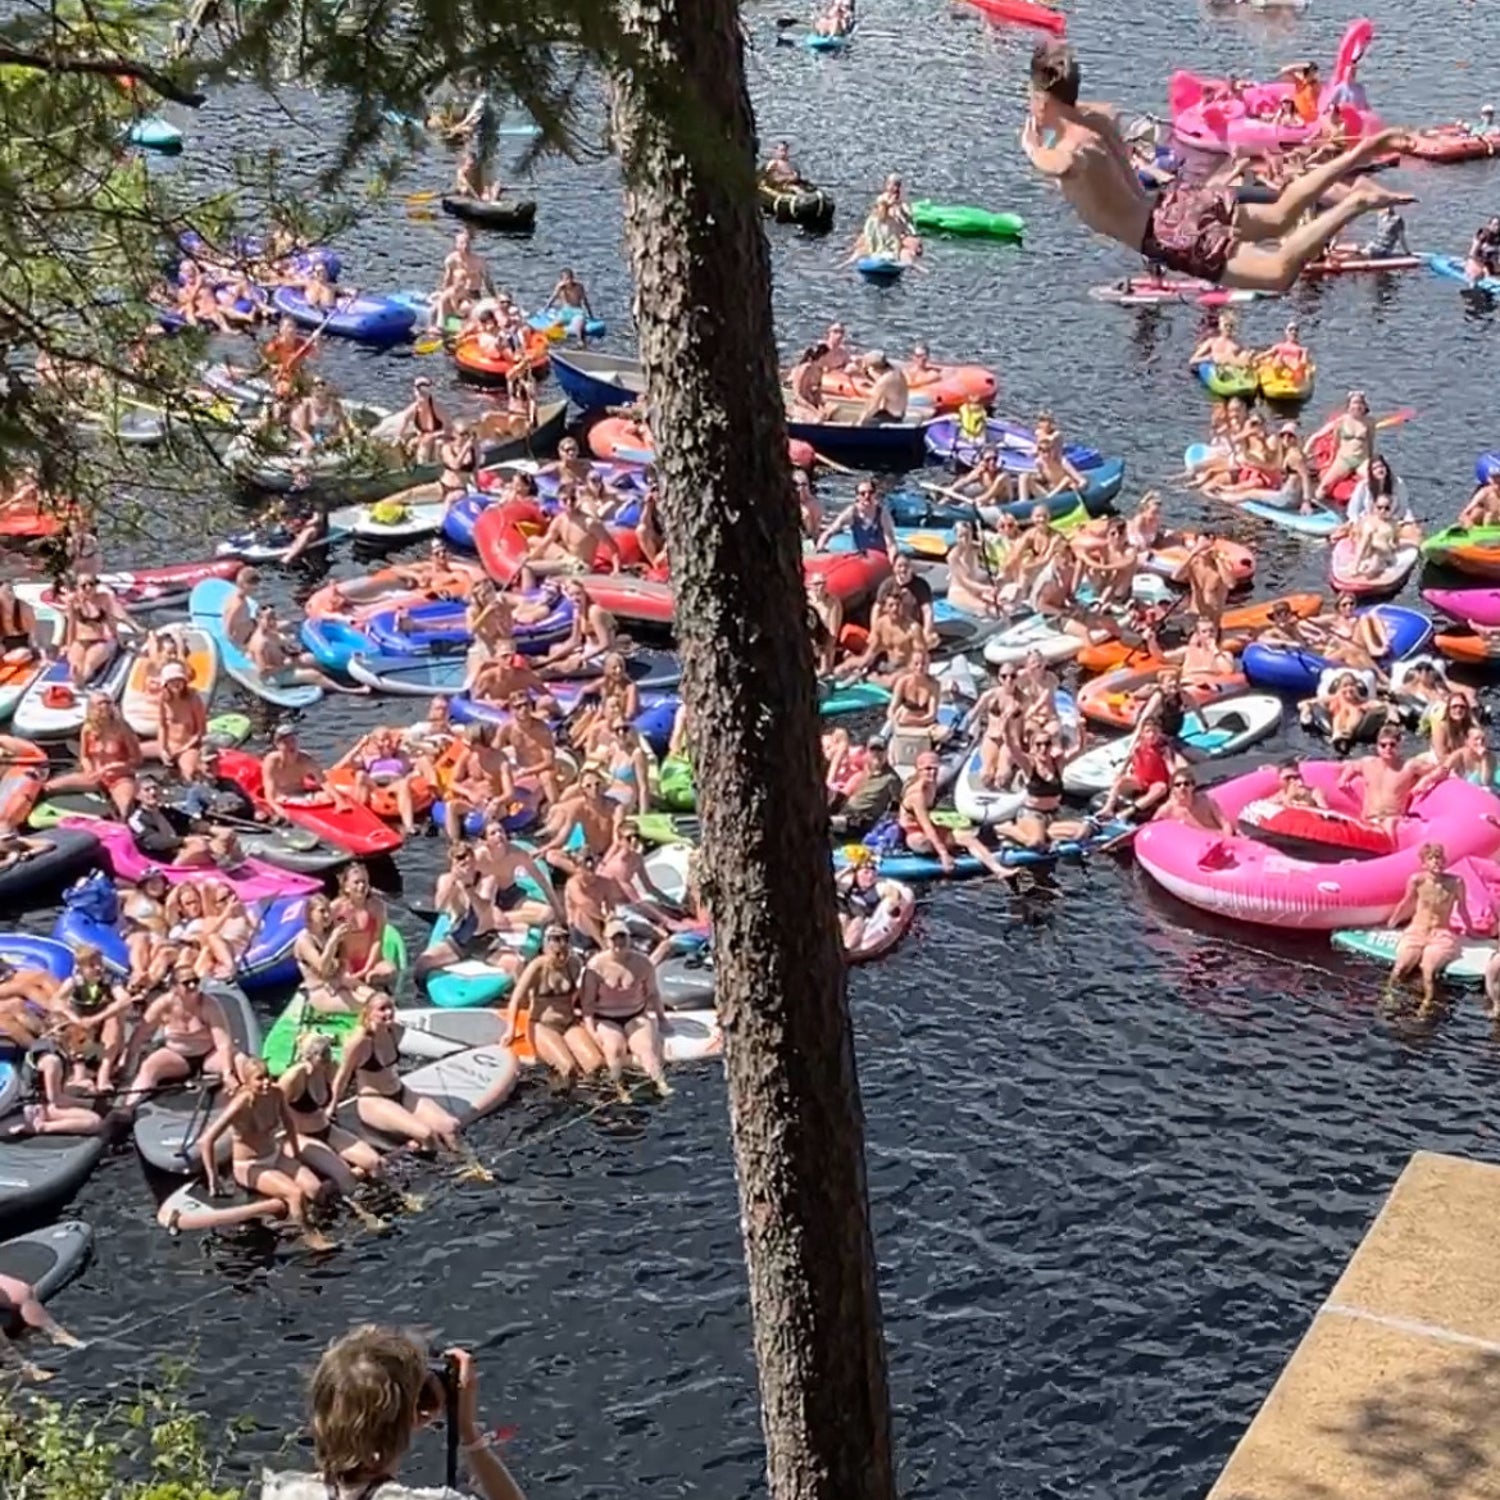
1117, 1155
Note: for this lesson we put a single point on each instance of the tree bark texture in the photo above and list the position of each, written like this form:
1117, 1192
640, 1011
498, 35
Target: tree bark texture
686, 135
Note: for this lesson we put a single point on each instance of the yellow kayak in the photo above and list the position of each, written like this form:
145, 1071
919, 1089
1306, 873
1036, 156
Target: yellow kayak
1280, 382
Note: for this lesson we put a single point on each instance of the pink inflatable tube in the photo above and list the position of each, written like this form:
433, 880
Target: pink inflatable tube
252, 881
1251, 882
1477, 606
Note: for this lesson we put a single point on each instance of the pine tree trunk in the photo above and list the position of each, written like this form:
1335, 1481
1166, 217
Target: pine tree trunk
686, 134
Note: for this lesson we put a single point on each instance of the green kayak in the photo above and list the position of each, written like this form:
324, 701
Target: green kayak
964, 219
1458, 546
299, 1019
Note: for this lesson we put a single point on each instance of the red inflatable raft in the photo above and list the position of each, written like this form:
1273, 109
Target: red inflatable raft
1302, 830
503, 532
1451, 143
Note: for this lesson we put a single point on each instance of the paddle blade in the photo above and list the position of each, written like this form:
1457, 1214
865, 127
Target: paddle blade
428, 344
1396, 418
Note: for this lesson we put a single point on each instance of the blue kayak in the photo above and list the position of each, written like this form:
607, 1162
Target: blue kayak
368, 320
522, 814
1290, 670
1452, 267
459, 522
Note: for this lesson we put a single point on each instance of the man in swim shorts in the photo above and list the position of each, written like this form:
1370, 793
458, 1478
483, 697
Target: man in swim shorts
1429, 943
1199, 230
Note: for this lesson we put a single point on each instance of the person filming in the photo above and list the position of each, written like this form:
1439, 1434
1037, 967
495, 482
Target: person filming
374, 1389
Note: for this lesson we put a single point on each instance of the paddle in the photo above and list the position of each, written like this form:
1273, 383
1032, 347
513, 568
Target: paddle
1396, 418
828, 463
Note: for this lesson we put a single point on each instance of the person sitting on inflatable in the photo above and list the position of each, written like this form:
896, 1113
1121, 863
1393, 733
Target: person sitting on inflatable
1186, 804
1388, 778
1198, 230
1294, 790
1429, 943
1221, 348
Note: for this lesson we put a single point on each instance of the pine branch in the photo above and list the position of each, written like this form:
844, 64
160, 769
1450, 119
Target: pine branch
115, 67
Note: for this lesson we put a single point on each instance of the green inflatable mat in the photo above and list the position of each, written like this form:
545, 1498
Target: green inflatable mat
675, 787
965, 220
299, 1019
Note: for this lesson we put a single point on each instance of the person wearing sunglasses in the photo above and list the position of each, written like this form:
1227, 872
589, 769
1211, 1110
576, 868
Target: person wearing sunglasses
1472, 761
553, 1027
1144, 780
1350, 638
892, 642
923, 836
1387, 780
1374, 537
867, 521
1186, 804
1292, 789
195, 1039
1449, 727
1427, 909
622, 1009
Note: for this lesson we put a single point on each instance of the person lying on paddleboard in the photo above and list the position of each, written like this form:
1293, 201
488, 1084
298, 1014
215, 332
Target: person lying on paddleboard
1197, 231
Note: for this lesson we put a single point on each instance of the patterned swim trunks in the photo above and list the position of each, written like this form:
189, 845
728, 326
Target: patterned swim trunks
1191, 230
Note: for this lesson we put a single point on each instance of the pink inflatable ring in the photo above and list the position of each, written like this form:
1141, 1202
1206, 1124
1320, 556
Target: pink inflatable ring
1249, 881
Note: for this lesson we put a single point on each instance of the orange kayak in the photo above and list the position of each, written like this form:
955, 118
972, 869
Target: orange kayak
1239, 627
1467, 647
1112, 699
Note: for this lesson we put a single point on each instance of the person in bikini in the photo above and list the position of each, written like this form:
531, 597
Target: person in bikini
382, 1101
622, 1009
1429, 943
553, 1027
419, 426
476, 929
1199, 231
265, 1155
195, 1039
363, 915
328, 986
109, 756
1354, 434
331, 1151
93, 623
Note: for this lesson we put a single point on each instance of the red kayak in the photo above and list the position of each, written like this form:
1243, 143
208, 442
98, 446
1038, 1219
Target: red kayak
346, 826
502, 532
1026, 12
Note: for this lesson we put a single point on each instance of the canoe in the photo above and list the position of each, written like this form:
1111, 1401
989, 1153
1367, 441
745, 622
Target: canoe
152, 133
1024, 12
1474, 550
352, 828
367, 320
512, 215
592, 380
810, 207
964, 220
890, 444
1390, 580
205, 608
200, 656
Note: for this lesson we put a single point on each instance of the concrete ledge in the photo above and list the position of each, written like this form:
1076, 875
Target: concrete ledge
1394, 1393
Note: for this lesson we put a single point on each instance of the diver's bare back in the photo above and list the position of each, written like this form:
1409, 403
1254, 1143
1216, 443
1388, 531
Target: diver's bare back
1100, 182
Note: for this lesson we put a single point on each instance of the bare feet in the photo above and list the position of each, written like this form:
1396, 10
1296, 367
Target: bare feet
1376, 195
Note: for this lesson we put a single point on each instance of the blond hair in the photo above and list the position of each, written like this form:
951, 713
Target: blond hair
365, 1398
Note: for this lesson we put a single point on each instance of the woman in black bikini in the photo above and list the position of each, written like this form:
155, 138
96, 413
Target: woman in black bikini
330, 1150
548, 992
1041, 822
91, 634
622, 1009
382, 1101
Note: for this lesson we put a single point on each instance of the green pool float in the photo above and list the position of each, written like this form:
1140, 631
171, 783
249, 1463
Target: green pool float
967, 221
299, 1019
675, 784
